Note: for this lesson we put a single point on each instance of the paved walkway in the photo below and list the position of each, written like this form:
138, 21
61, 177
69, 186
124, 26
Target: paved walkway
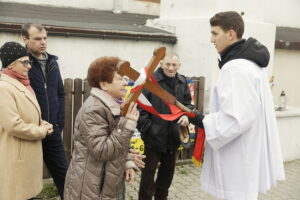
186, 185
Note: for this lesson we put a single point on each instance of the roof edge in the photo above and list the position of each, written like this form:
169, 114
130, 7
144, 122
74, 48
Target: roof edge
93, 33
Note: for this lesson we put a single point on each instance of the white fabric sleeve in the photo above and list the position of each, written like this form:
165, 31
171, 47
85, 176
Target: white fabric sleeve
238, 104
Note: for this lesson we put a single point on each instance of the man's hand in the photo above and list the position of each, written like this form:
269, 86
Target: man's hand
130, 175
137, 158
197, 121
183, 120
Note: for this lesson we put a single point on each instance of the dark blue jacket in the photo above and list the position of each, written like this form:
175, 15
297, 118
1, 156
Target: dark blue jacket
157, 133
49, 90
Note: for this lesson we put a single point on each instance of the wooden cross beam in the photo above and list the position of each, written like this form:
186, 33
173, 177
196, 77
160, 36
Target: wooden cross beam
124, 69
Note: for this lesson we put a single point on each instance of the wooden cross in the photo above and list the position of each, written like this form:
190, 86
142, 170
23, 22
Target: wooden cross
124, 69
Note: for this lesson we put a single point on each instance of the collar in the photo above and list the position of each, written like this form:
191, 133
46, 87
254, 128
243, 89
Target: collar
230, 52
18, 85
48, 56
107, 100
159, 76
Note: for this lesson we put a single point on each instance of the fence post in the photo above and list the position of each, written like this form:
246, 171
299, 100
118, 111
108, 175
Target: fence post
201, 91
68, 84
87, 90
78, 93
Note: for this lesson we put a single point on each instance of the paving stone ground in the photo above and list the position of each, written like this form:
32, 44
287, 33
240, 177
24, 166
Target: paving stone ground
186, 184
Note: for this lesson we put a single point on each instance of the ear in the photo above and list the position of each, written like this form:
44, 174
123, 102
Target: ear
24, 40
232, 35
103, 85
161, 62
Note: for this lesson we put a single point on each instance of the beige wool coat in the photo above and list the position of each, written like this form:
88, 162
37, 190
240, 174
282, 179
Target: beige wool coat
101, 142
21, 158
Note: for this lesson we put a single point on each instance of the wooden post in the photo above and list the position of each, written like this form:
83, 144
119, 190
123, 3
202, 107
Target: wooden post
78, 96
201, 91
87, 90
190, 151
68, 84
199, 102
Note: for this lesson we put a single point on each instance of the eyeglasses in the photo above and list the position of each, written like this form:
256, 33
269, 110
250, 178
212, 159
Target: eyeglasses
25, 62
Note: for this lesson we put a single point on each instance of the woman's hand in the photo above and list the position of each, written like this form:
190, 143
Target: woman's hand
137, 158
130, 175
48, 126
132, 112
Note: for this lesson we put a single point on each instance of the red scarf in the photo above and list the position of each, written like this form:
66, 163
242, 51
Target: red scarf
23, 79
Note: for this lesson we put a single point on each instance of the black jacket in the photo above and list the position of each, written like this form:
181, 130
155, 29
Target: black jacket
49, 90
156, 132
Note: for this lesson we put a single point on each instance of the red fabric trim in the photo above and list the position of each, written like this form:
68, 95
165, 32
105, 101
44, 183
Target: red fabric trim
168, 117
199, 146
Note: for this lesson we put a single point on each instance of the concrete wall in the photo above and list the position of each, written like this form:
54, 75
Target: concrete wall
287, 76
286, 62
131, 6
282, 13
289, 132
75, 54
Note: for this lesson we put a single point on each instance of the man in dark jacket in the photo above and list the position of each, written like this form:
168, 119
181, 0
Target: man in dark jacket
46, 81
161, 143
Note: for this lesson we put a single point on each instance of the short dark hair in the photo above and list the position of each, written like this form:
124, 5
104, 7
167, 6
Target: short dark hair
102, 70
229, 20
27, 26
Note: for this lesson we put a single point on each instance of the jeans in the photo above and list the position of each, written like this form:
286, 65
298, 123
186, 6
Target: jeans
55, 158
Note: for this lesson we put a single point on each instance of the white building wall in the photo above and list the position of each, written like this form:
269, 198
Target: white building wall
286, 62
86, 4
286, 73
75, 53
176, 9
142, 7
289, 132
131, 6
283, 13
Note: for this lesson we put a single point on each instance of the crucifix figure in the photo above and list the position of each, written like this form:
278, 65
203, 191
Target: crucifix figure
124, 69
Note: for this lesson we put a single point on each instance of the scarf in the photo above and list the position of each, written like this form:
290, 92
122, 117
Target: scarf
118, 100
23, 79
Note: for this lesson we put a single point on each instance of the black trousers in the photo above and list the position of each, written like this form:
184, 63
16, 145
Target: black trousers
55, 158
160, 187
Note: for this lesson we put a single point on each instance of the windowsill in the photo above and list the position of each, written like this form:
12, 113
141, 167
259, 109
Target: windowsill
289, 112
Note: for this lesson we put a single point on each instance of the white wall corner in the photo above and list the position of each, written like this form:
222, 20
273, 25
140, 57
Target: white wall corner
155, 23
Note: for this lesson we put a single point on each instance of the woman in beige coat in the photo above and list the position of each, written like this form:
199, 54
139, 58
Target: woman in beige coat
101, 137
21, 128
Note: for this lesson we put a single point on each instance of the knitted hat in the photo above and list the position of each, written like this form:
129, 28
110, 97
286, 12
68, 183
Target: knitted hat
10, 52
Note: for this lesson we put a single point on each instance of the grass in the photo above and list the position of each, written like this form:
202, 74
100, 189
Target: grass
49, 191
